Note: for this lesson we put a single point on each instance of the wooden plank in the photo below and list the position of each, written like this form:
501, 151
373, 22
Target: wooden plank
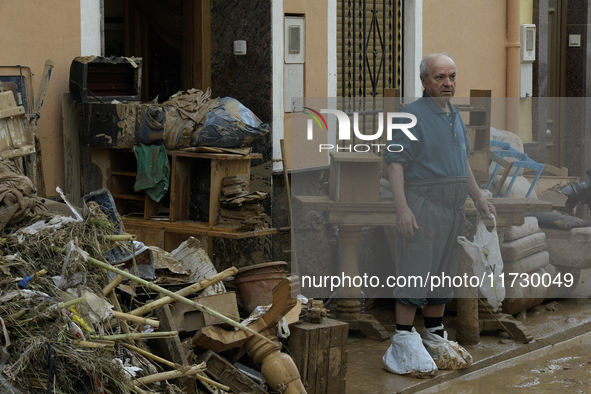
324, 203
338, 333
363, 218
356, 157
299, 347
310, 384
334, 370
150, 207
323, 360
71, 123
189, 227
202, 44
344, 360
213, 156
152, 237
9, 112
180, 189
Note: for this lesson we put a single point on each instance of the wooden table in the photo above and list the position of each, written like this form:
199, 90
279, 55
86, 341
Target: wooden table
352, 217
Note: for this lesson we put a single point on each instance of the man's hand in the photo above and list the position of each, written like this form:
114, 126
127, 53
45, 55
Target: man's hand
484, 208
406, 222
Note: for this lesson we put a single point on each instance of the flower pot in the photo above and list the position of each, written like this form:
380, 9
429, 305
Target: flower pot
256, 283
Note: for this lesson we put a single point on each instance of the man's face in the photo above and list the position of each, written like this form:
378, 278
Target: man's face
441, 82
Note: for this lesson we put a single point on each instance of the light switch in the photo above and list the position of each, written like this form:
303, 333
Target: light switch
574, 40
239, 47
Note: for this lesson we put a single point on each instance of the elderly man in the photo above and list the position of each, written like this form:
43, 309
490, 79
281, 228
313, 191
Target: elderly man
430, 181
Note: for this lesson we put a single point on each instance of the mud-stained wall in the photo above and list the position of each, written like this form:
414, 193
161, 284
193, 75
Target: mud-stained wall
32, 31
247, 78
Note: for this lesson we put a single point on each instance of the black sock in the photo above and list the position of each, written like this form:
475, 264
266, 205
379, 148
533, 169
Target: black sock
403, 327
431, 322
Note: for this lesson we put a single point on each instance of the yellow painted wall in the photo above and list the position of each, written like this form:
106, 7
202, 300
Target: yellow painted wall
315, 72
526, 11
32, 31
473, 33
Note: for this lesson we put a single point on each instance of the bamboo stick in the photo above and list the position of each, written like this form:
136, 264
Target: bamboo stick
117, 306
114, 283
121, 237
172, 365
149, 355
158, 377
145, 335
91, 344
176, 297
202, 284
140, 391
136, 319
67, 304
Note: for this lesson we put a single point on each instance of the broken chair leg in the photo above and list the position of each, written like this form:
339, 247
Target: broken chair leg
279, 369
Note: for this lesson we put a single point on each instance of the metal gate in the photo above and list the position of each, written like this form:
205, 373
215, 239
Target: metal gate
369, 45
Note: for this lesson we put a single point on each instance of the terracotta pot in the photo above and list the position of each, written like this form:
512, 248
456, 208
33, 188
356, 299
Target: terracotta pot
256, 283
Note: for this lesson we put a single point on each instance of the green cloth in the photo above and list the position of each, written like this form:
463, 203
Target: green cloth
153, 171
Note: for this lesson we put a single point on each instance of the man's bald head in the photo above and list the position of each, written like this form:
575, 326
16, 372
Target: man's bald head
424, 67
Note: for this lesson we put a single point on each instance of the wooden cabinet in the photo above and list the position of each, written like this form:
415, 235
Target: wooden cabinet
195, 186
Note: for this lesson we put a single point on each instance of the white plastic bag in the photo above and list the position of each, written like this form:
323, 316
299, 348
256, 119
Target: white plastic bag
407, 356
446, 354
486, 261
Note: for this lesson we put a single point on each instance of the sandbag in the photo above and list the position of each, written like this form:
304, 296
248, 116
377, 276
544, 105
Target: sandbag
561, 287
569, 248
558, 220
518, 190
530, 226
523, 247
521, 295
528, 263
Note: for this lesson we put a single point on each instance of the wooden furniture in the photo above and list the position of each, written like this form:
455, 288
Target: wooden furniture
195, 185
320, 353
478, 132
352, 217
354, 177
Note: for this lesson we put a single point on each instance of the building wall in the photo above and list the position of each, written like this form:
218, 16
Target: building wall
249, 79
473, 33
316, 70
32, 31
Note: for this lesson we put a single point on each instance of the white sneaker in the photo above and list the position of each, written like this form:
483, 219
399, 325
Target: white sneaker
446, 354
407, 356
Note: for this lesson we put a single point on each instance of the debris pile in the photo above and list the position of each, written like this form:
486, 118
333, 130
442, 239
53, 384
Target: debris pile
240, 208
86, 308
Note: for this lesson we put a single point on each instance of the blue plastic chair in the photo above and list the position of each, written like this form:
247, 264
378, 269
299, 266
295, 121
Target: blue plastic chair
522, 162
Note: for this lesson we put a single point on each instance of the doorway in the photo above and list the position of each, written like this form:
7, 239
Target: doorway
556, 81
171, 36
